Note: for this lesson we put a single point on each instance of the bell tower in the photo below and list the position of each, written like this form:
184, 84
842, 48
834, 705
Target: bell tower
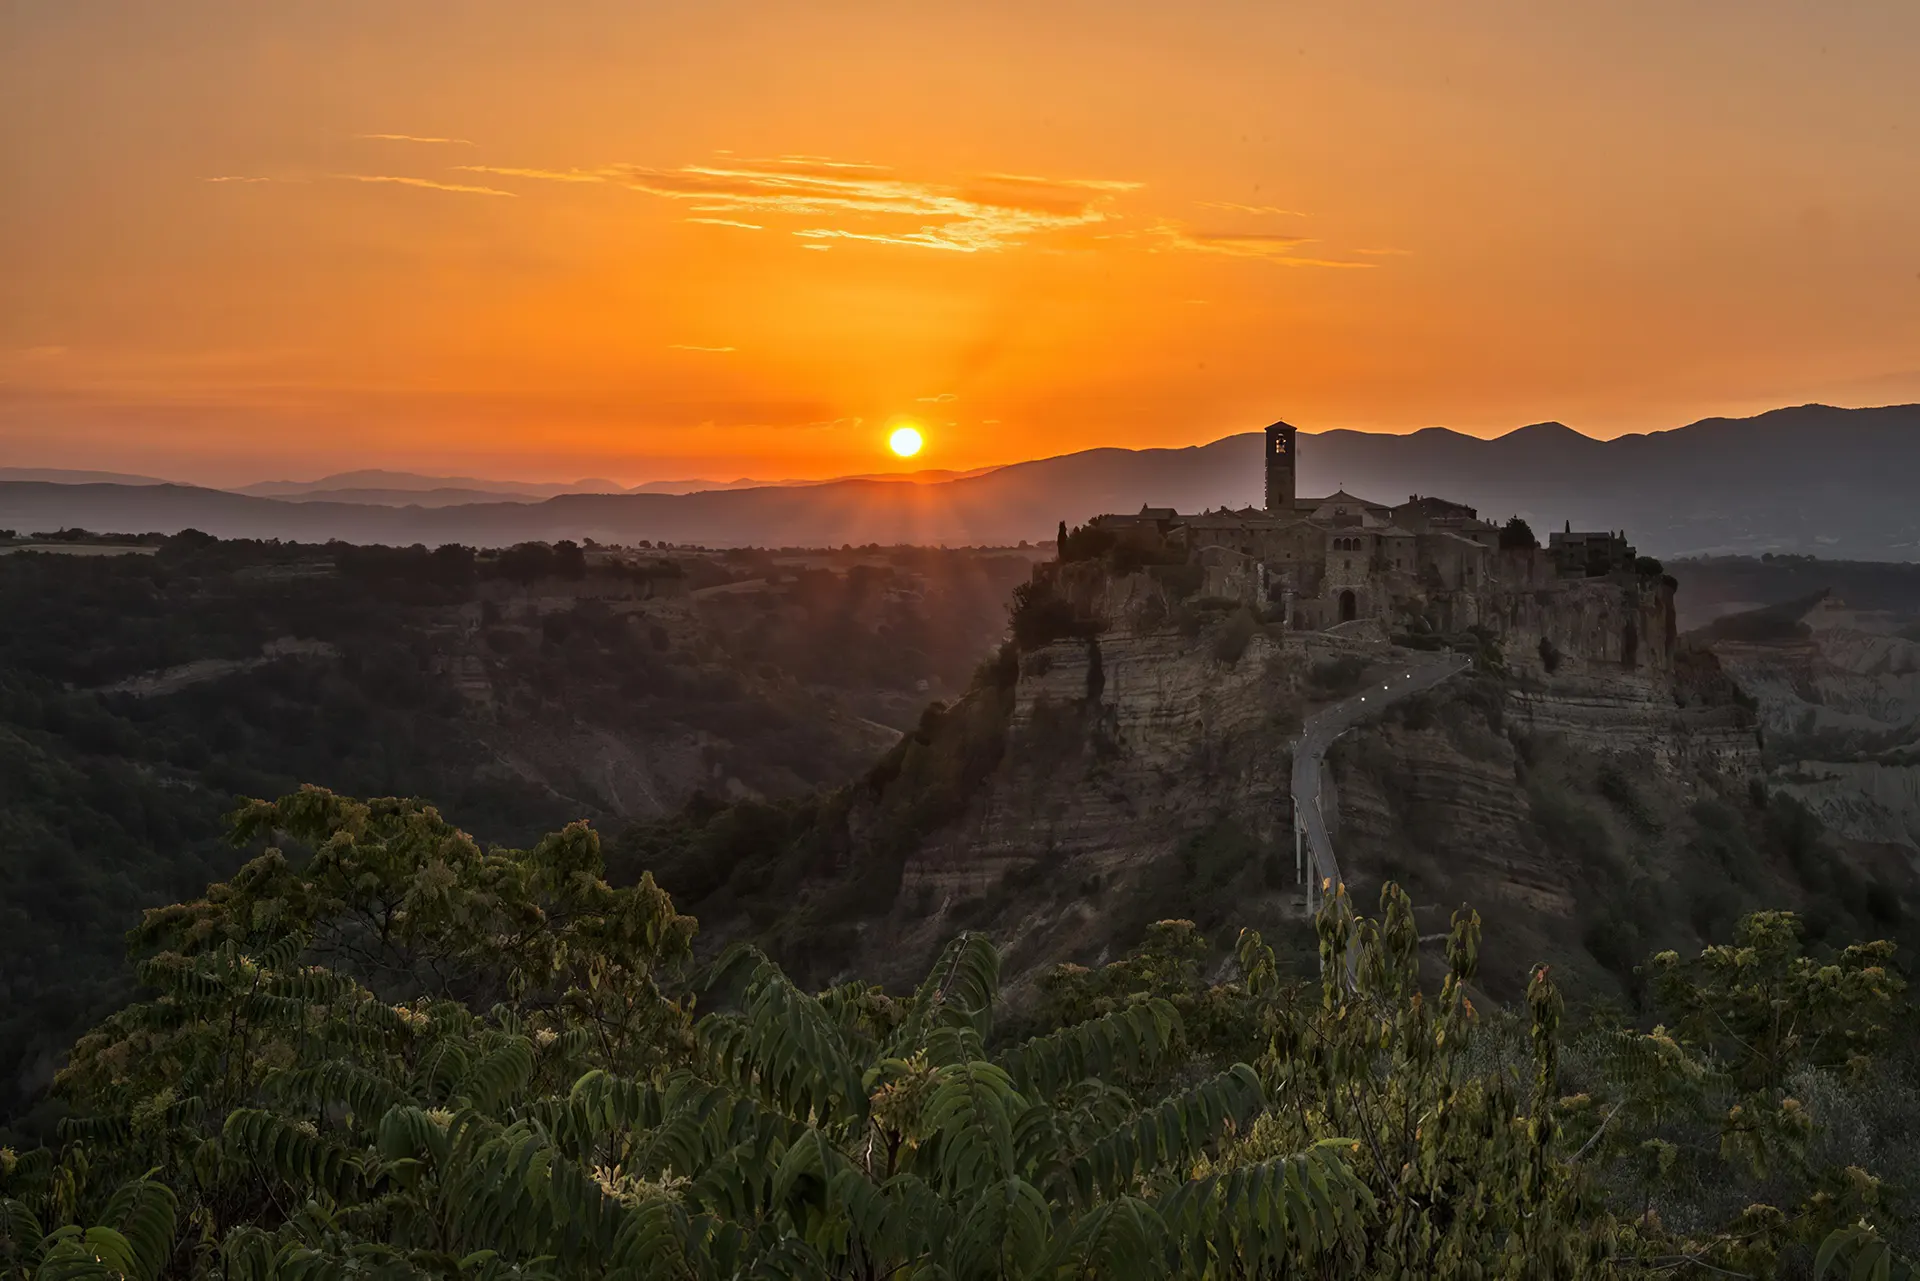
1280, 465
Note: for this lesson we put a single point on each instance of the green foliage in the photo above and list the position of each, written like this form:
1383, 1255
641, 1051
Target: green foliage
1517, 535
379, 1050
1234, 636
804, 871
1461, 1164
580, 1126
1549, 655
1767, 1009
1337, 677
1041, 616
1085, 542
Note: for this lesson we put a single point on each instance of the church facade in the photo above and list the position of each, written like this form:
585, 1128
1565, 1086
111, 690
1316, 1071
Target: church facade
1319, 562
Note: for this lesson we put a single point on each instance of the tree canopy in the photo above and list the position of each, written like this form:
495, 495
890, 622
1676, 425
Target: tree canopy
379, 1050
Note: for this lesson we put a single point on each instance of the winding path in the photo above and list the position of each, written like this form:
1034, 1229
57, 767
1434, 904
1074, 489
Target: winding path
1310, 751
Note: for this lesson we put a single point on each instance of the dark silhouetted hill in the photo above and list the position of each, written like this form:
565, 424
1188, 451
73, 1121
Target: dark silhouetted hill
1837, 482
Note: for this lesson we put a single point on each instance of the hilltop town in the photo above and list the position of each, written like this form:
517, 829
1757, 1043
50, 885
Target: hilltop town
1314, 564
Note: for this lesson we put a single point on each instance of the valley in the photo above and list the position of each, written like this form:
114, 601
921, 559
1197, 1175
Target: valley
143, 696
835, 752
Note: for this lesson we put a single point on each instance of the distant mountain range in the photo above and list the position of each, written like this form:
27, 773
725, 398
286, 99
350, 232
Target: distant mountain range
374, 480
68, 476
1810, 479
379, 488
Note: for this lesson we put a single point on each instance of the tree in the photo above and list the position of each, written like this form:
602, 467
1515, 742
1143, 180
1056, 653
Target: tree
1517, 535
579, 1125
297, 1006
1702, 1110
1039, 616
1087, 542
381, 1051
1461, 1164
1765, 1009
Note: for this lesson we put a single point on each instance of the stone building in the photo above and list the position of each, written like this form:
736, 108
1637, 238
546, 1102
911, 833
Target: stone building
1323, 561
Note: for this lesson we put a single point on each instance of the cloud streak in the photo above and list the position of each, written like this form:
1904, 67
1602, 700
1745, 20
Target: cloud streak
862, 201
1231, 207
234, 177
1234, 244
410, 137
426, 183
839, 202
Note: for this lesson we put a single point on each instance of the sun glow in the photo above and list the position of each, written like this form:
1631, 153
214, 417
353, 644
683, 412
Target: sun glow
906, 441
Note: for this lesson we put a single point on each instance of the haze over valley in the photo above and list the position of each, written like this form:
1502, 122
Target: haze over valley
1811, 480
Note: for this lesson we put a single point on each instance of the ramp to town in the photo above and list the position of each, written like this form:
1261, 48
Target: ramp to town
1311, 839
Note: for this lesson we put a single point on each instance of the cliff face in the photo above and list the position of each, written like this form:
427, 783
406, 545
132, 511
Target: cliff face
1838, 694
1146, 775
1119, 744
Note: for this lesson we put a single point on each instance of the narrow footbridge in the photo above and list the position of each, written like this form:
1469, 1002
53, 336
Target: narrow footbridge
1310, 840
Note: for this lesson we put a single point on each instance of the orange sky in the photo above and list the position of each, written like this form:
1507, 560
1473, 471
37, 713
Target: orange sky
652, 240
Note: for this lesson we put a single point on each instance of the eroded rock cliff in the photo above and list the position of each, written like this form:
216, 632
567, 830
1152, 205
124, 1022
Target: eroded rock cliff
1592, 788
1838, 695
1145, 775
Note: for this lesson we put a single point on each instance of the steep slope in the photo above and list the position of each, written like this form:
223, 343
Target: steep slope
1593, 798
1838, 690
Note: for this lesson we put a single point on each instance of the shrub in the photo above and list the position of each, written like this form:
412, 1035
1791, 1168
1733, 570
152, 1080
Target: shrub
1179, 581
1337, 676
1517, 535
1040, 617
1570, 828
1231, 641
1087, 542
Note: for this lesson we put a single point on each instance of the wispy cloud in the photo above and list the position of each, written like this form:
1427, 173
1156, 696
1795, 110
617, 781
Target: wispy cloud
1252, 209
929, 239
685, 346
864, 202
543, 175
943, 398
1235, 244
412, 137
427, 183
836, 202
234, 177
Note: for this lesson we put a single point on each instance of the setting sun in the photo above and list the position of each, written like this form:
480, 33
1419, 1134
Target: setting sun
906, 441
